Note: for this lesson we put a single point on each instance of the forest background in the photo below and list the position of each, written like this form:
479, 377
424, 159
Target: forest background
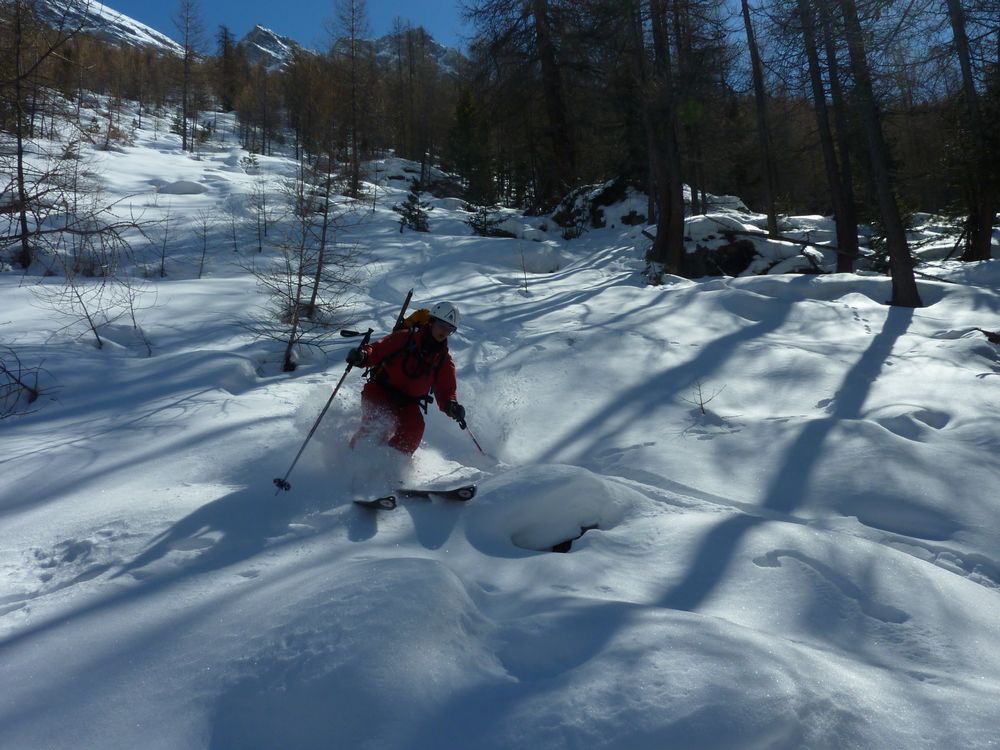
864, 110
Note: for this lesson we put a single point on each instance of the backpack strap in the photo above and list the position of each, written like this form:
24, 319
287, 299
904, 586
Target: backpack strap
408, 347
373, 373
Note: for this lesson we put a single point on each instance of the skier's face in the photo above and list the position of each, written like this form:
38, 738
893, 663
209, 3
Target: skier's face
441, 330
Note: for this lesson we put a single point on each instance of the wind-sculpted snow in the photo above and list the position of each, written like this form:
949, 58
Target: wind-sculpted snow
774, 498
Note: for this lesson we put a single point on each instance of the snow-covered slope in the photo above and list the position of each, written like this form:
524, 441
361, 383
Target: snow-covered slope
789, 491
105, 22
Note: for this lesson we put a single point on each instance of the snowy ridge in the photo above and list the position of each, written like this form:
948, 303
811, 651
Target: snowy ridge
96, 18
777, 495
263, 46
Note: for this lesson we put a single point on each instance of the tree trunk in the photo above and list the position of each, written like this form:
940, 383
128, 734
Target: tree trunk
185, 95
843, 126
847, 236
763, 134
669, 245
983, 203
904, 285
355, 158
25, 254
559, 129
324, 231
295, 305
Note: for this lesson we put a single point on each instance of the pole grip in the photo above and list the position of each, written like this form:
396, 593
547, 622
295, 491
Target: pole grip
364, 341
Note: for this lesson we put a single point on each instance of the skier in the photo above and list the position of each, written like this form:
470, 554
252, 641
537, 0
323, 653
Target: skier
404, 369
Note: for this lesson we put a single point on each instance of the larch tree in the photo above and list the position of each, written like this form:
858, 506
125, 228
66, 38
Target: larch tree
763, 130
351, 29
187, 21
904, 285
847, 230
984, 173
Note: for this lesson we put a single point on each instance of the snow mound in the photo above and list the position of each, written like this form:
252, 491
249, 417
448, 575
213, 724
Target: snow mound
449, 204
543, 257
183, 187
538, 507
522, 231
328, 668
707, 227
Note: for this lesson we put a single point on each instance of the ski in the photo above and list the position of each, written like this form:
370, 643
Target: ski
457, 493
379, 503
388, 502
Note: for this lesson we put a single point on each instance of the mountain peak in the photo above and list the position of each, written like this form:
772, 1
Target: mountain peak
268, 48
104, 22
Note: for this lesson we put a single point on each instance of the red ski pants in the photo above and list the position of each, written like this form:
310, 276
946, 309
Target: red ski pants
390, 418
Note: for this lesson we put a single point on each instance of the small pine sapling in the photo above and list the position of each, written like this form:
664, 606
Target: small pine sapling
413, 212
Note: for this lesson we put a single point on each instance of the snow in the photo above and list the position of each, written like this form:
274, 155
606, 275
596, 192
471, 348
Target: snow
788, 491
261, 45
182, 187
108, 23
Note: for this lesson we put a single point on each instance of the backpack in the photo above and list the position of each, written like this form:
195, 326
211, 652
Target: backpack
419, 317
415, 320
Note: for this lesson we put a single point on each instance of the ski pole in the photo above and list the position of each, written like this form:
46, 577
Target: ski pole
282, 482
465, 426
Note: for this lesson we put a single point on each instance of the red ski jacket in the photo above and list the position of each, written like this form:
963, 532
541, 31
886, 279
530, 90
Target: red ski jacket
401, 362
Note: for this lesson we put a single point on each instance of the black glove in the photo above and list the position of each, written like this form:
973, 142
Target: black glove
356, 357
456, 411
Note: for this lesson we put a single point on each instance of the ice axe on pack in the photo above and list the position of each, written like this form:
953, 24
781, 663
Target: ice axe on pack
282, 482
347, 333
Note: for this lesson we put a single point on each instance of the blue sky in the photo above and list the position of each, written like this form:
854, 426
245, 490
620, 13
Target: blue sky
302, 20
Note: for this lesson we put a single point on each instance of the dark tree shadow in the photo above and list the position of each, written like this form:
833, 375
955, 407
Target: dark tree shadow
788, 489
633, 405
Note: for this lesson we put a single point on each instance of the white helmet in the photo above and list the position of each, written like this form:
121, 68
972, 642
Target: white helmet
445, 312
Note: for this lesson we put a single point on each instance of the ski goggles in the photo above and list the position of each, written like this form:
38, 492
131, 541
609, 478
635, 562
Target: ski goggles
444, 324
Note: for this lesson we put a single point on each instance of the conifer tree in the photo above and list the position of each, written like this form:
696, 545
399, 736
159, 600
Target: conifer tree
187, 20
353, 51
904, 285
984, 182
413, 211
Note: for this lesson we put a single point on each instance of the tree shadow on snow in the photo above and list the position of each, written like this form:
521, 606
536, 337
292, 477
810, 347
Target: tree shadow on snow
482, 712
228, 530
790, 483
224, 532
633, 405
